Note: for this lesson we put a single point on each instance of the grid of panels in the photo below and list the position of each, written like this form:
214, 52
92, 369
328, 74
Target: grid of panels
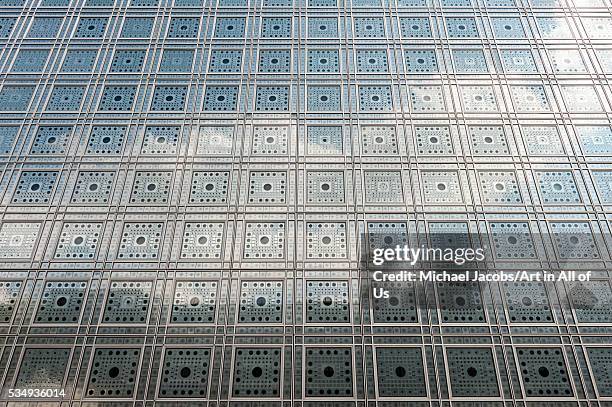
125, 124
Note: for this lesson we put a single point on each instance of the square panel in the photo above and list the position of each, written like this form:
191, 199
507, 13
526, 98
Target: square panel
326, 240
512, 240
257, 372
107, 140
6, 26
225, 61
449, 234
603, 184
151, 188
127, 302
184, 27
472, 372
140, 241
230, 27
114, 373
66, 98
30, 60
324, 140
328, 302
544, 372
527, 302
267, 187
9, 296
460, 302
161, 140
274, 61
79, 60
469, 61
400, 372
78, 241
264, 240
275, 27
375, 98
415, 27
209, 187
529, 98
128, 61
272, 99
598, 28
600, 360
261, 302
566, 61
542, 140
42, 368
221, 98
557, 187
382, 235
499, 187
554, 28
169, 98
185, 373
581, 99
478, 98
323, 99
461, 27
596, 140
323, 61
44, 27
369, 27
378, 140
383, 187
17, 239
91, 27
8, 136
15, 98
270, 140
323, 27
411, 3
434, 140
214, 140
325, 187
329, 372
35, 187
117, 98
591, 301
61, 302
51, 140
574, 240
399, 308
427, 99
194, 302
441, 187
518, 61
372, 61
605, 59
322, 3
93, 188
421, 61
137, 27
507, 27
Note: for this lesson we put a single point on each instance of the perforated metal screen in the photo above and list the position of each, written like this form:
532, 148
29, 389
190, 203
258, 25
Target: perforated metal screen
185, 186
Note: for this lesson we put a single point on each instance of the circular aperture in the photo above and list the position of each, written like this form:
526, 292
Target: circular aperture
113, 372
400, 371
185, 372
